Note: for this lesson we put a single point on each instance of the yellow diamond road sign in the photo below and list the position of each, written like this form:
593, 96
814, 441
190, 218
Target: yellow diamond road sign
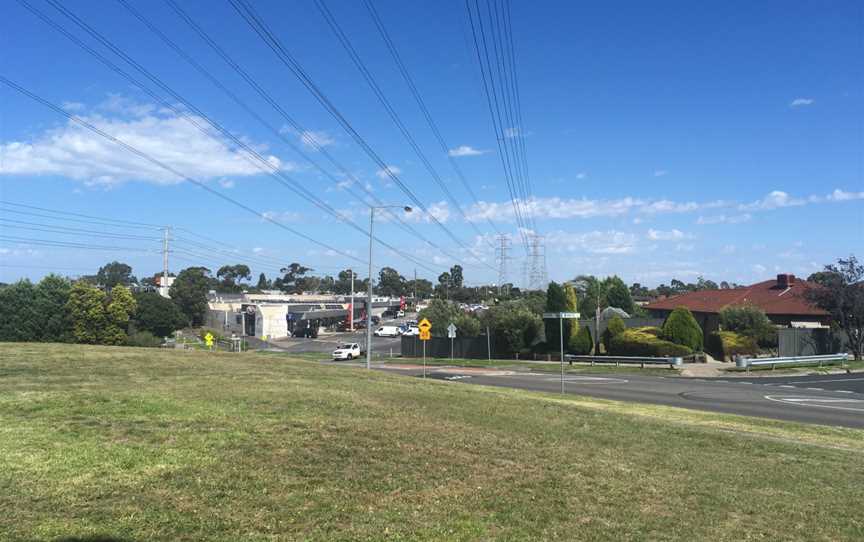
425, 335
208, 339
424, 324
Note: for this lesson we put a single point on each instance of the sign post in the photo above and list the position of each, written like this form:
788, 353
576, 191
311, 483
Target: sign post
425, 327
451, 334
561, 316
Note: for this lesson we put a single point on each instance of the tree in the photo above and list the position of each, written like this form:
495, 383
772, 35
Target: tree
421, 287
571, 326
230, 274
592, 292
390, 282
750, 321
263, 283
614, 327
822, 278
582, 343
86, 308
51, 297
681, 328
556, 301
513, 326
443, 287
456, 278
157, 315
442, 313
114, 273
842, 295
617, 294
189, 291
291, 274
19, 320
121, 306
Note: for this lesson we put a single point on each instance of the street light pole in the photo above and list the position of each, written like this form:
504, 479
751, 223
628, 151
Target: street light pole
369, 292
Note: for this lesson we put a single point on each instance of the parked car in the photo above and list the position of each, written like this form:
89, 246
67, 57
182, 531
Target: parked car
387, 331
347, 351
400, 314
411, 331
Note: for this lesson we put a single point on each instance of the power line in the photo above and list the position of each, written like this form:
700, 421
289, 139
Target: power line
391, 111
263, 93
406, 75
248, 14
166, 167
250, 154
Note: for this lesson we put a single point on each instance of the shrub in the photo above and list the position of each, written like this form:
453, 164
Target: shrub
681, 328
582, 343
614, 327
642, 342
723, 345
144, 339
750, 321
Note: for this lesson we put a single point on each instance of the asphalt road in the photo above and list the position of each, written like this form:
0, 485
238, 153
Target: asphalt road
801, 401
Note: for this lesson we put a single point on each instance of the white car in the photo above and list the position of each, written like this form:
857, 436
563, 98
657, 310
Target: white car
400, 314
412, 331
347, 351
387, 331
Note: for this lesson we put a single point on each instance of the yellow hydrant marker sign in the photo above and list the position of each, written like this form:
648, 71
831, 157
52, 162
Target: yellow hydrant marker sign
208, 340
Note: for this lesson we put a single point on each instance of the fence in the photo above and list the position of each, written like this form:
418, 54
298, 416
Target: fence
746, 363
810, 342
439, 347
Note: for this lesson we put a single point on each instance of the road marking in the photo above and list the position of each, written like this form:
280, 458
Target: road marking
590, 380
830, 380
814, 389
786, 386
844, 391
827, 402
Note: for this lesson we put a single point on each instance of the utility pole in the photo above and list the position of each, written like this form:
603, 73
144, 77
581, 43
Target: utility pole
166, 234
351, 315
415, 288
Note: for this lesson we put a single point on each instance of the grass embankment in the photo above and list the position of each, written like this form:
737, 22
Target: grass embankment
162, 445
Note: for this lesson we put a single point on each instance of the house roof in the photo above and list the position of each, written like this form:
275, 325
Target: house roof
771, 296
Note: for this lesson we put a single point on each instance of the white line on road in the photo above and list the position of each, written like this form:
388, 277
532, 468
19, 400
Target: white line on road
814, 389
813, 402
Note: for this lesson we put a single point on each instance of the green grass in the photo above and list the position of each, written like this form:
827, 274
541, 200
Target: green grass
144, 444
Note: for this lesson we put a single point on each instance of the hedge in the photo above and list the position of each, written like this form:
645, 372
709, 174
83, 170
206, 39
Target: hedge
722, 345
582, 343
643, 341
616, 325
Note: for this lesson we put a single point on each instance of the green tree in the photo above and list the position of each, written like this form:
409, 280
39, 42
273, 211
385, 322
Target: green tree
613, 328
390, 283
19, 319
422, 287
189, 291
456, 278
582, 343
443, 287
121, 306
157, 315
556, 301
288, 283
513, 326
263, 283
592, 292
86, 308
51, 297
681, 328
571, 326
750, 321
229, 276
842, 295
114, 273
442, 313
617, 294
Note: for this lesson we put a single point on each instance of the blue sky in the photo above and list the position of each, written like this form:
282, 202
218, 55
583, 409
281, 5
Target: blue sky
664, 140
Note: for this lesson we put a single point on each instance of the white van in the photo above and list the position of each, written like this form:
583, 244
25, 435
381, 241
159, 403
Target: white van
387, 331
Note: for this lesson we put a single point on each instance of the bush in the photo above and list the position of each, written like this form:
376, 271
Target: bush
582, 343
723, 345
643, 342
144, 339
750, 321
614, 327
681, 328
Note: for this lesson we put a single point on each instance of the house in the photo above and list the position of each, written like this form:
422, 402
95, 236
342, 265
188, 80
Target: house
783, 300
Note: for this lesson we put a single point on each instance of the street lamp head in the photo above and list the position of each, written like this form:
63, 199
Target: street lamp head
408, 209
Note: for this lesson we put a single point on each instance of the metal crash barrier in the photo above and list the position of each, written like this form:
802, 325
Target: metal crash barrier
672, 362
742, 362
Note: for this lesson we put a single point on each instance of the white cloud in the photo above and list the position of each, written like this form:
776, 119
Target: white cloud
226, 183
728, 249
801, 102
840, 195
685, 247
316, 139
258, 250
775, 200
283, 216
595, 242
439, 210
511, 132
759, 269
724, 219
72, 151
582, 175
660, 173
466, 150
72, 106
671, 235
384, 174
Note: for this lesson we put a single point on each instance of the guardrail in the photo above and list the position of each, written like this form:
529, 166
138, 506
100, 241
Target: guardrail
628, 360
746, 363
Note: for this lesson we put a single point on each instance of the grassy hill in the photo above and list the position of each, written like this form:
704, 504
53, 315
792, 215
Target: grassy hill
140, 444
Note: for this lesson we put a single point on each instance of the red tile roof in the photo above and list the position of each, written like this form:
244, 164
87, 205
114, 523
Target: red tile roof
767, 295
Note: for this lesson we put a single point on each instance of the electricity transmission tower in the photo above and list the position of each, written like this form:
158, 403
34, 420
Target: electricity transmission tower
537, 277
501, 256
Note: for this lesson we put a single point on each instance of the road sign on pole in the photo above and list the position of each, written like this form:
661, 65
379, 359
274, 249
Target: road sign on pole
451, 333
424, 324
425, 334
208, 340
